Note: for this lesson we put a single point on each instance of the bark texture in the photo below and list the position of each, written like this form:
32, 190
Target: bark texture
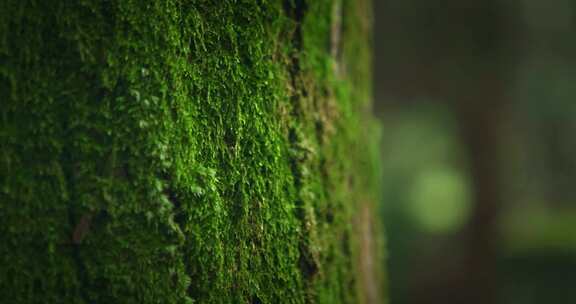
187, 152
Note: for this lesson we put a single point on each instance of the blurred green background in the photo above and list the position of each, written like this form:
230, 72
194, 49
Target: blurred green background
477, 100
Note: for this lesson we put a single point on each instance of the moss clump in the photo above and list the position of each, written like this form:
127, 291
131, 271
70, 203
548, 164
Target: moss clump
183, 151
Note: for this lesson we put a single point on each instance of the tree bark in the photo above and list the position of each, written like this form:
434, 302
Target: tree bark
187, 152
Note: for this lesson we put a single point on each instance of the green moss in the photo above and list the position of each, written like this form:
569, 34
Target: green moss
181, 151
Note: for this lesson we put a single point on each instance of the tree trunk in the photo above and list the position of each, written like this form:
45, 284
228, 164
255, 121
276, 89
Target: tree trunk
187, 152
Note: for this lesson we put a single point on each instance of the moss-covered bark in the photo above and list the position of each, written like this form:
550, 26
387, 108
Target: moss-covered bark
186, 151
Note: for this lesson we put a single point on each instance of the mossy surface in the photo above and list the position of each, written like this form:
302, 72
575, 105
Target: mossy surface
184, 151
